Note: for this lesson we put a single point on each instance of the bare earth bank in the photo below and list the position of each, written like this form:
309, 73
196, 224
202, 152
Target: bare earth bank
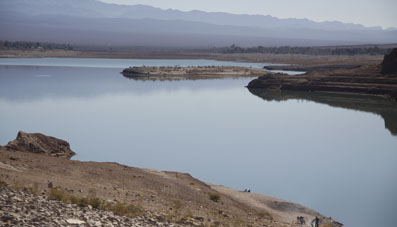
168, 197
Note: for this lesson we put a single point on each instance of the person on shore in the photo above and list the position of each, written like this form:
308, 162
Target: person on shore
315, 222
301, 220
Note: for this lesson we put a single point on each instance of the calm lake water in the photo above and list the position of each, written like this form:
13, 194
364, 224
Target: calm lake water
336, 154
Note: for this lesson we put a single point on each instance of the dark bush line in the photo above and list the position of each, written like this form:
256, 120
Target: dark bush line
373, 50
21, 45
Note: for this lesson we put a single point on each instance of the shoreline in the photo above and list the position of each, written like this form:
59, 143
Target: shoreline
366, 80
242, 57
171, 196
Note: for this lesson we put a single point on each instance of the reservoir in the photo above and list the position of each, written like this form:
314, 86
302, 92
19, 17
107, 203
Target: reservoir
336, 154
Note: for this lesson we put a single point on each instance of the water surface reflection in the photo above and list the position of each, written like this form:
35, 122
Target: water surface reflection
306, 148
387, 109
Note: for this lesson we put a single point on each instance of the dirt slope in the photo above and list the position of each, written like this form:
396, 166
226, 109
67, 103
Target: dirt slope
172, 196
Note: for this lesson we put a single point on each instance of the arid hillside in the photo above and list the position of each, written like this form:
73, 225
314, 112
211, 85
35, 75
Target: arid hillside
168, 197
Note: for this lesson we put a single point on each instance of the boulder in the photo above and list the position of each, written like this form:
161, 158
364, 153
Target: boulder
39, 143
389, 64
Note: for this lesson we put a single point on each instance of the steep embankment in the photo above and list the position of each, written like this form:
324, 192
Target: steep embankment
167, 197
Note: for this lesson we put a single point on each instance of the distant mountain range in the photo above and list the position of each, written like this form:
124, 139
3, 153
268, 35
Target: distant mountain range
91, 22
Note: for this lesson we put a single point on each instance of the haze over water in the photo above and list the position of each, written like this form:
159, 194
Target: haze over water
340, 162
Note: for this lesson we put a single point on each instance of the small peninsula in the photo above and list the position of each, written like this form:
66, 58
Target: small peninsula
192, 73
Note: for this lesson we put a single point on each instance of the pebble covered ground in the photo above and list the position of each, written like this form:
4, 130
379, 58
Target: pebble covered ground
18, 208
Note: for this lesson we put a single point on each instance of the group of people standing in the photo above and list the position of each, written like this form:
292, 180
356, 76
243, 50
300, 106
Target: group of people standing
313, 223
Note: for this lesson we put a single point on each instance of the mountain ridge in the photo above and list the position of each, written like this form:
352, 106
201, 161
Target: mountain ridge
141, 11
142, 25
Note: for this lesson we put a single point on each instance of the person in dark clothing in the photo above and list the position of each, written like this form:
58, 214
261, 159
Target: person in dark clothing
315, 222
301, 220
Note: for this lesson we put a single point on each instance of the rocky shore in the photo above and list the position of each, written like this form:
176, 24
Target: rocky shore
38, 188
378, 80
24, 208
190, 73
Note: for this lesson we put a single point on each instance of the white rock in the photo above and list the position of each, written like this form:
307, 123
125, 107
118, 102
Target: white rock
75, 221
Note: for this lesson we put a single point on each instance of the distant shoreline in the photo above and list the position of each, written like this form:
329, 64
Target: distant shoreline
300, 59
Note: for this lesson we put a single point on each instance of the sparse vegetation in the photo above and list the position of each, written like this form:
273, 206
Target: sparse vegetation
18, 186
177, 205
176, 208
34, 189
237, 222
122, 209
215, 197
188, 214
3, 184
93, 200
118, 208
58, 194
265, 215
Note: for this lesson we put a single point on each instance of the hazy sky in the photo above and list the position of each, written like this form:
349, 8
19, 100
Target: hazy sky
366, 12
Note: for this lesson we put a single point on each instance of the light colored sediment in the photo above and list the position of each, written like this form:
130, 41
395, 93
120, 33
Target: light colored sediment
281, 210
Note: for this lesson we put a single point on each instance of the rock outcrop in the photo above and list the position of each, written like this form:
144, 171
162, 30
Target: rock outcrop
389, 64
39, 143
